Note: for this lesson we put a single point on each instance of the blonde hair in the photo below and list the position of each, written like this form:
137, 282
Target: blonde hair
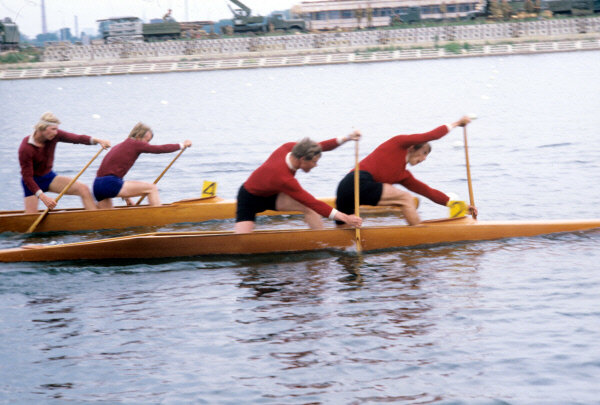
139, 131
46, 120
306, 149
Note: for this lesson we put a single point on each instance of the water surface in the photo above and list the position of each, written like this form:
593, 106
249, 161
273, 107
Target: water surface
511, 321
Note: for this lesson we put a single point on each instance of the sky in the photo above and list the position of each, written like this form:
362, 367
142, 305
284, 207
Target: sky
61, 13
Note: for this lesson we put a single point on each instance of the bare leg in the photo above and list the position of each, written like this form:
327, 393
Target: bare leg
244, 226
31, 204
139, 188
105, 204
286, 203
393, 196
78, 188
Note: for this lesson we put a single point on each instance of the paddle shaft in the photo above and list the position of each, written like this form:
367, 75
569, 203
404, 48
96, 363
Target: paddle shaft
67, 187
471, 198
163, 173
357, 196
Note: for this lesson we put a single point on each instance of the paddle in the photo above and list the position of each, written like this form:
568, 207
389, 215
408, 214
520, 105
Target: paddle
163, 173
73, 180
356, 198
471, 199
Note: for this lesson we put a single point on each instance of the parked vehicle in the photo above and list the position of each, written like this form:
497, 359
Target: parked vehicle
133, 29
9, 35
244, 21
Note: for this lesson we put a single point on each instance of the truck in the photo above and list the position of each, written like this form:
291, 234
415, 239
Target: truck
161, 31
244, 21
9, 35
133, 29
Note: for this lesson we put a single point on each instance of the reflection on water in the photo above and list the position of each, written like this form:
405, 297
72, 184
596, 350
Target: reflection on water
393, 326
386, 297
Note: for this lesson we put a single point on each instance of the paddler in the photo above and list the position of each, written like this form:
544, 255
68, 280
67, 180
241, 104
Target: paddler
109, 181
273, 186
386, 166
36, 157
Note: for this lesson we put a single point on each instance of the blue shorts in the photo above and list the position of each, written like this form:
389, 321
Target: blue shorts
43, 183
107, 187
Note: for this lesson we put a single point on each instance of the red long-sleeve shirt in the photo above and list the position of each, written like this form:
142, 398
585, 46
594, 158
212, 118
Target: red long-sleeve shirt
387, 163
121, 157
274, 176
38, 161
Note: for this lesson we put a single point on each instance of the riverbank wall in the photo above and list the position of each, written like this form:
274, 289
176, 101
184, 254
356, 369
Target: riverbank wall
532, 37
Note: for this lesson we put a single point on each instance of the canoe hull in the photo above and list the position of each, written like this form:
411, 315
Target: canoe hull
194, 210
122, 217
187, 244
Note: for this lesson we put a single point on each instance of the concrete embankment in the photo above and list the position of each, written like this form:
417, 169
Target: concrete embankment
314, 49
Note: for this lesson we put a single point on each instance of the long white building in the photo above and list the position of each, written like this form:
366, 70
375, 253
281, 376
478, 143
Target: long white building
331, 14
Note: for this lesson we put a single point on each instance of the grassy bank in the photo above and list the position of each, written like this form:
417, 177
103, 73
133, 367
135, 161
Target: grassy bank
27, 55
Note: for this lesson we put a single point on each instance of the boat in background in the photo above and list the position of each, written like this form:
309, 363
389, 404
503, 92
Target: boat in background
194, 244
190, 210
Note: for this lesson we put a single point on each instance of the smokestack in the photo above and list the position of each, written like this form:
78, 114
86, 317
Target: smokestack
76, 28
44, 28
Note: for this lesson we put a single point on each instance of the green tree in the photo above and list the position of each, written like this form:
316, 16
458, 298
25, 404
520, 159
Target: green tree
443, 10
494, 10
359, 13
529, 6
507, 10
369, 16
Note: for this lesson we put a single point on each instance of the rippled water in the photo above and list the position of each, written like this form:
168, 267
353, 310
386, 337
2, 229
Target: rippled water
513, 321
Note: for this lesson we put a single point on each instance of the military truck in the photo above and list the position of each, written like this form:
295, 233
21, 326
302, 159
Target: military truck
9, 35
161, 31
132, 29
244, 21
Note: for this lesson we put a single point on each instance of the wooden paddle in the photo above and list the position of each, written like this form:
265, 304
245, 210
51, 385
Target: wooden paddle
163, 173
471, 199
357, 197
73, 180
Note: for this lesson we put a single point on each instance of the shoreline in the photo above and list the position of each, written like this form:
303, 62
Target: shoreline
304, 57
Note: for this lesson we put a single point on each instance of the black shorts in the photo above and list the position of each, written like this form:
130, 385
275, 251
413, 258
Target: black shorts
369, 192
248, 205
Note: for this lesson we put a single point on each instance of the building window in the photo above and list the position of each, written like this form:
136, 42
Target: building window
347, 14
335, 14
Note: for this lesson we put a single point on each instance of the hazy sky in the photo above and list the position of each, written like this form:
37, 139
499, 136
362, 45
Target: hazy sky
61, 13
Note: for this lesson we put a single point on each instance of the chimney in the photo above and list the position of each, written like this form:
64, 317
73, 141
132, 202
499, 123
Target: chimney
44, 27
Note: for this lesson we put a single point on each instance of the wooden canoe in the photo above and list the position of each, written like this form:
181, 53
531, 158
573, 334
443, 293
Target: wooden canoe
192, 210
186, 244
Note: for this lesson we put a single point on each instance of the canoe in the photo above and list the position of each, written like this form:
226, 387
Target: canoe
191, 210
187, 244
